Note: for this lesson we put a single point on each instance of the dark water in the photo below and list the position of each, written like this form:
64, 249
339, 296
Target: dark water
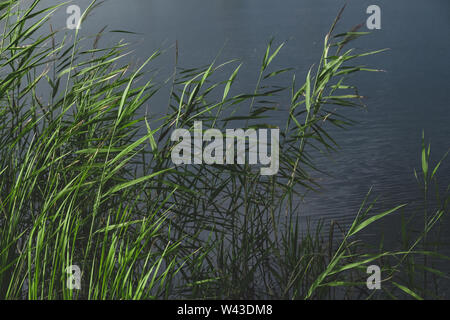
382, 150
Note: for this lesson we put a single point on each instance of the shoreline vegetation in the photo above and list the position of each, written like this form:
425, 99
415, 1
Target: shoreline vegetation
82, 185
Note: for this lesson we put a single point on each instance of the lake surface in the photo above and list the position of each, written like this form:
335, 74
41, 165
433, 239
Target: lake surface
382, 150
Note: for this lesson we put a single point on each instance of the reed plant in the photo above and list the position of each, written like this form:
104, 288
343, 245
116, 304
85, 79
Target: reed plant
86, 178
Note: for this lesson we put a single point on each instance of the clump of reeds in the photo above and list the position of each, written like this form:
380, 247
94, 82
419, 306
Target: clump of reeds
86, 178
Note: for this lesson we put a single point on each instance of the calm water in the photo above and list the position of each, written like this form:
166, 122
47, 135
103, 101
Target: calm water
382, 150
